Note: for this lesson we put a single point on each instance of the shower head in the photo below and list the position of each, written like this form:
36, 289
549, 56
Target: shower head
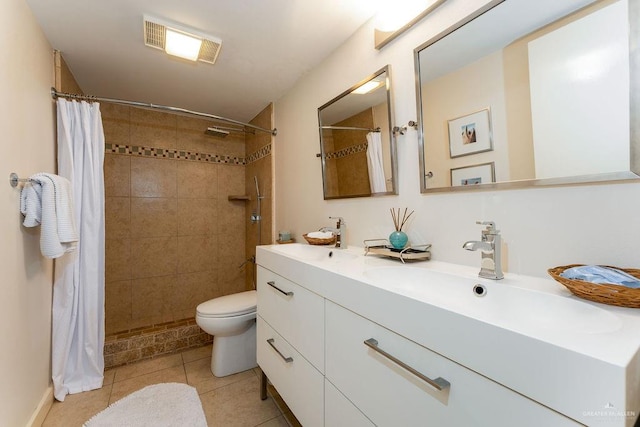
213, 131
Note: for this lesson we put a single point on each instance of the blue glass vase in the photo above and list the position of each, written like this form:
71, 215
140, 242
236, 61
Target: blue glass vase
398, 239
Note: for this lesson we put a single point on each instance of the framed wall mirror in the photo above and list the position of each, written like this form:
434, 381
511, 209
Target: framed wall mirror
545, 92
357, 144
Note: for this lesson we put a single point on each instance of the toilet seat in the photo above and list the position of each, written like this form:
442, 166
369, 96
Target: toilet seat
229, 305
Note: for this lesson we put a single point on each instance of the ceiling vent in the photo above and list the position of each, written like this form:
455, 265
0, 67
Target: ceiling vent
209, 51
155, 35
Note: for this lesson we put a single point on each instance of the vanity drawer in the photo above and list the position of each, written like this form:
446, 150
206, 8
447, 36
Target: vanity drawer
294, 312
297, 381
391, 395
339, 412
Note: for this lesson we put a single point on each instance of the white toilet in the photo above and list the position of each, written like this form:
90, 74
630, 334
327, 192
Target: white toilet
231, 320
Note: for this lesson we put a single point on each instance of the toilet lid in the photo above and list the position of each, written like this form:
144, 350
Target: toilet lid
229, 305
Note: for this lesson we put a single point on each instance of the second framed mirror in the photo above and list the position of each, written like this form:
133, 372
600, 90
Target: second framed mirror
357, 145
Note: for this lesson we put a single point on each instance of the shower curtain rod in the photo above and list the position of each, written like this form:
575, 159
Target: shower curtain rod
90, 98
350, 128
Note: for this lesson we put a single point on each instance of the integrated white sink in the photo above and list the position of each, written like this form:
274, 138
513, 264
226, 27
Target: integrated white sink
502, 303
314, 253
497, 302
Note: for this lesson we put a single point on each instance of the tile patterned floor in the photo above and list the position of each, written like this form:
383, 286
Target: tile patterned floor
230, 401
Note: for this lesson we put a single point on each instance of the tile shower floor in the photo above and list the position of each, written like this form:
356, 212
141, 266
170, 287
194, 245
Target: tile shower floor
229, 401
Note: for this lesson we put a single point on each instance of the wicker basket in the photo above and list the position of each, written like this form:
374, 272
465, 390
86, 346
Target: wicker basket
315, 241
598, 292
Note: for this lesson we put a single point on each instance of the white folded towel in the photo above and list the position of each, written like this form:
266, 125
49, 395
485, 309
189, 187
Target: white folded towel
320, 234
47, 201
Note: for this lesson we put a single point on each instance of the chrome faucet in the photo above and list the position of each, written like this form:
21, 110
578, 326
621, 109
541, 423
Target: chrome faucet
490, 246
341, 228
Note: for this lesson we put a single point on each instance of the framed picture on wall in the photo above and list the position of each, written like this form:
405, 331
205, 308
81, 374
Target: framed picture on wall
470, 134
473, 175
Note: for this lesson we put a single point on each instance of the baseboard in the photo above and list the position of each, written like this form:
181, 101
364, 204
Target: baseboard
43, 408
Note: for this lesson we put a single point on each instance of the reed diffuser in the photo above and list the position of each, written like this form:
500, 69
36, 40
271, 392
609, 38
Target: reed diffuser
399, 238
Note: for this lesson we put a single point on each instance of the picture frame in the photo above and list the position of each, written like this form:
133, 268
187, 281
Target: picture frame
483, 173
470, 134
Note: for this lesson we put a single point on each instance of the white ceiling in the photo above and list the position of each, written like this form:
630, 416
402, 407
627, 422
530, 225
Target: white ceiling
266, 47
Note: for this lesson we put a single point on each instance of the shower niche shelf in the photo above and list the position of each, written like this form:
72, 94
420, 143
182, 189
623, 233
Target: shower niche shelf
239, 198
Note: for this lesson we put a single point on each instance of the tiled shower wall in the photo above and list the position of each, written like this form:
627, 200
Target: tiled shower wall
173, 239
259, 164
346, 160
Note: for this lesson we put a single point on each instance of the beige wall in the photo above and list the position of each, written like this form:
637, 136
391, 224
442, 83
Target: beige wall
173, 239
542, 227
27, 123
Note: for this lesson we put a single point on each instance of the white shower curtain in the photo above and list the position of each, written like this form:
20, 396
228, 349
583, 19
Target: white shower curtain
78, 293
374, 163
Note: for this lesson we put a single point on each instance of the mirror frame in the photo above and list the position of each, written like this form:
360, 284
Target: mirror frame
632, 174
392, 136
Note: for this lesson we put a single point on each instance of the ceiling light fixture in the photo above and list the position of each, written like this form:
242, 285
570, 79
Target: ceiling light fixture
183, 45
178, 40
394, 18
367, 87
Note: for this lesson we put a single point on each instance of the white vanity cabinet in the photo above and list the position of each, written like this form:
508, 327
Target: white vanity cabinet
297, 381
290, 344
347, 343
339, 411
392, 395
294, 312
314, 353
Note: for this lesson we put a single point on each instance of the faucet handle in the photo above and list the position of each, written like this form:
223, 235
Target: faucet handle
340, 220
491, 226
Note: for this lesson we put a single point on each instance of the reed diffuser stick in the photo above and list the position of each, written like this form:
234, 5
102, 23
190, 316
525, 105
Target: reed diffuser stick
393, 216
397, 222
404, 220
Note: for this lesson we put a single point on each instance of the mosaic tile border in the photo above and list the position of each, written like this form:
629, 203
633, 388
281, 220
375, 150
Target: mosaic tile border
260, 154
170, 153
348, 151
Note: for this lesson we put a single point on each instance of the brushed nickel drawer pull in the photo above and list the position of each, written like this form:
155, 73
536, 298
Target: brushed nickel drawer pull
273, 285
439, 383
286, 359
